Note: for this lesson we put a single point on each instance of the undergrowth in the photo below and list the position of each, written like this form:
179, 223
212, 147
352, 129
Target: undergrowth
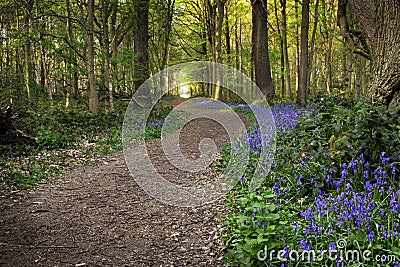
65, 137
332, 194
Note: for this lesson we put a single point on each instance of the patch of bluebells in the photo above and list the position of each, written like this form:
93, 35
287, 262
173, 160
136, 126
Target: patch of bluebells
285, 117
157, 123
354, 199
361, 202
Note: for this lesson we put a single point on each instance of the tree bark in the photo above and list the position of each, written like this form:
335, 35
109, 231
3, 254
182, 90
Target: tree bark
385, 52
297, 52
105, 14
282, 76
27, 48
93, 94
312, 48
141, 43
260, 47
380, 20
74, 78
218, 45
303, 77
288, 86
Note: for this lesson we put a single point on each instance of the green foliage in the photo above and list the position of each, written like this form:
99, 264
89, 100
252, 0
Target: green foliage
334, 179
348, 128
65, 137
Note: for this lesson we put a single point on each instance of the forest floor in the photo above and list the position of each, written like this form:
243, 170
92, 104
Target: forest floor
97, 215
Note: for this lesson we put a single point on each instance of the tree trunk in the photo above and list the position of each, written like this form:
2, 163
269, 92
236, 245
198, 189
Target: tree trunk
312, 48
380, 21
297, 55
282, 75
114, 45
260, 46
385, 52
288, 86
42, 58
74, 78
227, 37
93, 94
328, 40
218, 45
27, 48
141, 43
105, 14
303, 77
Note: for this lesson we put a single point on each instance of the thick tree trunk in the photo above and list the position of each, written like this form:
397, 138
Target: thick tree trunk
260, 46
303, 77
385, 52
380, 20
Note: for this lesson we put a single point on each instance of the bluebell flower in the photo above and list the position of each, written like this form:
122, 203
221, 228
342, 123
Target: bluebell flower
384, 159
370, 236
362, 158
296, 226
304, 244
391, 165
371, 205
276, 189
344, 173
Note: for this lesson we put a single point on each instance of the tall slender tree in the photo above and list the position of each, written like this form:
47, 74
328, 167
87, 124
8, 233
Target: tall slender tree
141, 42
303, 76
288, 84
93, 94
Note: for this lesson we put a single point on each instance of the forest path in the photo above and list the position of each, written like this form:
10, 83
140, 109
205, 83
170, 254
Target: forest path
98, 216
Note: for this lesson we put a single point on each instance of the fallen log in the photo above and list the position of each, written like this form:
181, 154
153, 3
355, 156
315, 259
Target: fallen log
10, 135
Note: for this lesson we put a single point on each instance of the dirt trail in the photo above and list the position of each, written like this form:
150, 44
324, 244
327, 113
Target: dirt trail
98, 216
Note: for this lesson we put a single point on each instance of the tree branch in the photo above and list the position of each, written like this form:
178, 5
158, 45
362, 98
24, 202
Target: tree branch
353, 38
